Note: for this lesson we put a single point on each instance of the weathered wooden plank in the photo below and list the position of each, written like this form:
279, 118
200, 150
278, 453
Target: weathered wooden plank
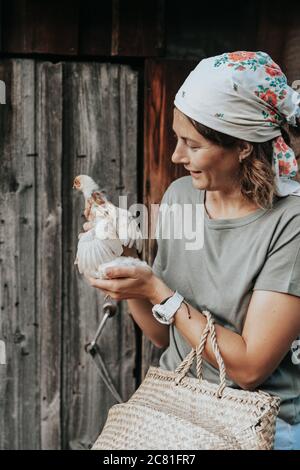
291, 51
272, 28
291, 59
162, 80
43, 27
20, 417
49, 246
197, 29
95, 27
138, 28
1, 22
100, 132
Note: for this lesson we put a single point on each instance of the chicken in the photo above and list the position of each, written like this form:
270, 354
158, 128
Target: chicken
111, 228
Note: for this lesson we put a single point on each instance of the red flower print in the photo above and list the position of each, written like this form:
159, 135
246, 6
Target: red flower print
280, 145
284, 168
273, 72
241, 55
270, 97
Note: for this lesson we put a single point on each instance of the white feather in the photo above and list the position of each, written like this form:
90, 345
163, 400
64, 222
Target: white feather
92, 251
128, 230
121, 261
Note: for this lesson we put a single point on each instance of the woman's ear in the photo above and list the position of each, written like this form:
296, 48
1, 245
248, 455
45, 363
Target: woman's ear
245, 149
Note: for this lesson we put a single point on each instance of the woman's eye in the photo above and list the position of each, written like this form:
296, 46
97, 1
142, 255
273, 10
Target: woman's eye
189, 146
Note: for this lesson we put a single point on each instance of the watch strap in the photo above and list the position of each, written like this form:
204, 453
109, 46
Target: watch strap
166, 309
174, 302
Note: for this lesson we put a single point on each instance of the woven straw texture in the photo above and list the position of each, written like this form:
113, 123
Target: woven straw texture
171, 410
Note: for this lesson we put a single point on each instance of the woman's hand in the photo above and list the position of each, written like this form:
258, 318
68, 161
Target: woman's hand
127, 282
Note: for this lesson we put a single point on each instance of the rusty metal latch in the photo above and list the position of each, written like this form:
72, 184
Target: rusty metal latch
109, 309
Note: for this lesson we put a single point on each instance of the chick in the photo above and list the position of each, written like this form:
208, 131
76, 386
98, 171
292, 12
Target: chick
111, 229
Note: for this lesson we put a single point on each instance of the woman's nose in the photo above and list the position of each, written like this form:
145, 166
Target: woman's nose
179, 155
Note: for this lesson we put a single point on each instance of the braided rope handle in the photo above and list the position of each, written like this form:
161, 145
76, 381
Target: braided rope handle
186, 364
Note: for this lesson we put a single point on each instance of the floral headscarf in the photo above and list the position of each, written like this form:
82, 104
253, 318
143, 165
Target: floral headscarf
245, 95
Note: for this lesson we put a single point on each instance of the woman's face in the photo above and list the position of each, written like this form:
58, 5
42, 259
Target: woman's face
215, 168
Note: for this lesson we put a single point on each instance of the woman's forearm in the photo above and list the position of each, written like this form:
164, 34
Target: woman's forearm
232, 345
141, 311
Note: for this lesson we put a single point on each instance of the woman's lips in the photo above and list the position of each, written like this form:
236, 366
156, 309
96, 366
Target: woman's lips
195, 173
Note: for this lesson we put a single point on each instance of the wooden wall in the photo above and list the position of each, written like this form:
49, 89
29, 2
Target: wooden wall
60, 120
83, 27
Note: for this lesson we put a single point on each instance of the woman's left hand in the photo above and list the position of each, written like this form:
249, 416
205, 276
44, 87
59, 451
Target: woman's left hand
126, 282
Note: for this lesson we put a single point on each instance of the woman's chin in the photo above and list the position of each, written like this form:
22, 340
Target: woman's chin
199, 182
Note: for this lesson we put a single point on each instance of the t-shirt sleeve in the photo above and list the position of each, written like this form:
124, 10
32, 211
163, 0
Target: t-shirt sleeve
281, 270
161, 246
156, 267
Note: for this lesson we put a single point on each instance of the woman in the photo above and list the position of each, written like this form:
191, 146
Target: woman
228, 121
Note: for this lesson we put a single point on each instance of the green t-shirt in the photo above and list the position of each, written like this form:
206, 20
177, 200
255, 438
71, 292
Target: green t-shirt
258, 251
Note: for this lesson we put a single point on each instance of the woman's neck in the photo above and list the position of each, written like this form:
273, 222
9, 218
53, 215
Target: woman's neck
220, 205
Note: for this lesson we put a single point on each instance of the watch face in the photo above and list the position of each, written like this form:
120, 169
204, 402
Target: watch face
165, 312
160, 318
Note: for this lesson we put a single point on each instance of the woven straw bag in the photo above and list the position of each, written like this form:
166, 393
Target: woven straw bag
170, 410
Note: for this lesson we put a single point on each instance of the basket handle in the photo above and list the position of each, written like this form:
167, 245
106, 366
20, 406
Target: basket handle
186, 364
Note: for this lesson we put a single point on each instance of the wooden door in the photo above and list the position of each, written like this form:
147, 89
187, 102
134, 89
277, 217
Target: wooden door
59, 120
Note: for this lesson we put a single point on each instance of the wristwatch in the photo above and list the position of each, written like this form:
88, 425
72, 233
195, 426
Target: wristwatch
165, 311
